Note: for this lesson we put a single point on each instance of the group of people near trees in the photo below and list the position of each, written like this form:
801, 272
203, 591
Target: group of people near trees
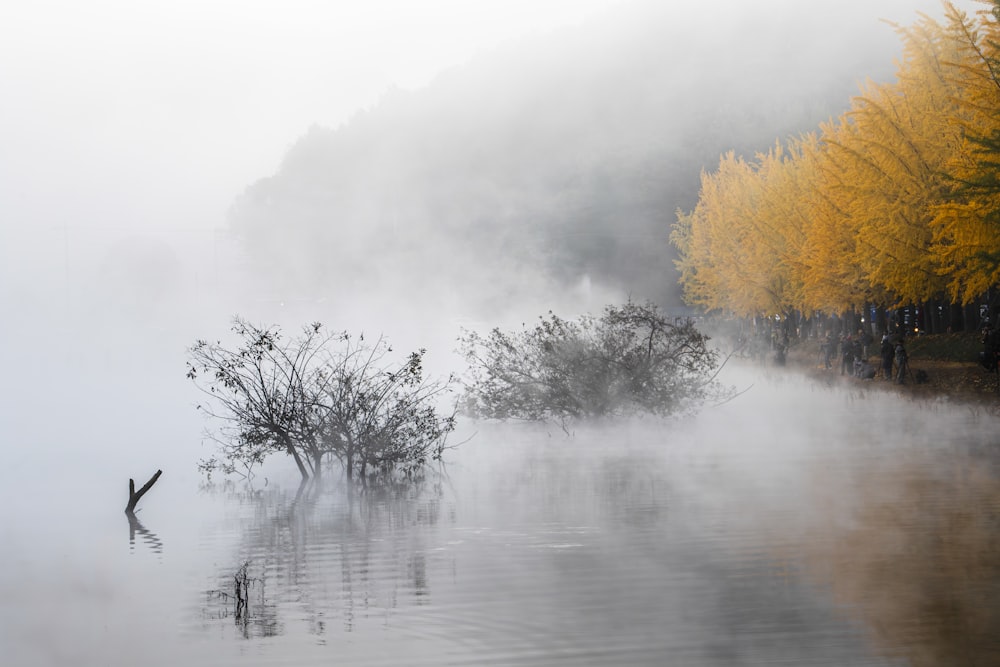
894, 354
854, 352
990, 355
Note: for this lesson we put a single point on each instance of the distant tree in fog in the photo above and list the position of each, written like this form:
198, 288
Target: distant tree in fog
317, 396
630, 360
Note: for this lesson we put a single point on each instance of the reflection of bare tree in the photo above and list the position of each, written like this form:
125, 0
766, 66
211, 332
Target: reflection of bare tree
328, 551
921, 562
149, 537
247, 604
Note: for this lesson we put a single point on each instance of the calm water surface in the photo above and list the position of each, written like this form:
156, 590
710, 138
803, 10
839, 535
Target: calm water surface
797, 525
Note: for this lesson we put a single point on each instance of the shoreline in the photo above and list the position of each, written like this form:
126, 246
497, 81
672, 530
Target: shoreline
950, 380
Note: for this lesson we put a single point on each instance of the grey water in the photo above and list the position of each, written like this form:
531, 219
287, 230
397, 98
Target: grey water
797, 524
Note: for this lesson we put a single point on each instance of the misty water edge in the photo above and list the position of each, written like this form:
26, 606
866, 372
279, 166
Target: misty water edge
797, 524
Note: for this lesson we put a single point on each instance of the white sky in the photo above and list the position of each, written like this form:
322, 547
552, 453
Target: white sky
114, 107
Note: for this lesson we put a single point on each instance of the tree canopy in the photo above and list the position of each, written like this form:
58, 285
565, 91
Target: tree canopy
893, 202
630, 360
322, 394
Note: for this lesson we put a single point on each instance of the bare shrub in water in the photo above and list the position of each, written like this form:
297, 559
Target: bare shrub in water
630, 360
321, 394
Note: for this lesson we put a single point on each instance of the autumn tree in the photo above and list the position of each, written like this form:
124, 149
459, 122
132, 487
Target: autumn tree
714, 241
781, 224
967, 223
893, 146
894, 202
832, 281
742, 247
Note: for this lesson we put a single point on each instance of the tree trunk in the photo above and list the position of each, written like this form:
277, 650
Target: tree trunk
350, 458
970, 316
134, 496
298, 459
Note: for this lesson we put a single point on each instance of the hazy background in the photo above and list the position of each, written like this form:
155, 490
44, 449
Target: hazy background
394, 166
353, 143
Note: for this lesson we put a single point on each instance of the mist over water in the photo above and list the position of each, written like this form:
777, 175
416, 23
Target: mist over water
797, 523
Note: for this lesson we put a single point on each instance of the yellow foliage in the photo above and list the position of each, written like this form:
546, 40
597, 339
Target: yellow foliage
966, 225
877, 206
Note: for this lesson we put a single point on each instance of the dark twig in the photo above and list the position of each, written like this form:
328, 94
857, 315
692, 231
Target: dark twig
134, 496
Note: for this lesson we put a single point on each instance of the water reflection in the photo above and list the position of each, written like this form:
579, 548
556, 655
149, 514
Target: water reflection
919, 558
570, 553
335, 552
812, 527
243, 599
151, 539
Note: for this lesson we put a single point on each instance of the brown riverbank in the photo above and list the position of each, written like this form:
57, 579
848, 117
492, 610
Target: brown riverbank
949, 361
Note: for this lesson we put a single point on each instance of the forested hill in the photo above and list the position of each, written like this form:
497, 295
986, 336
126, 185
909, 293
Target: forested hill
552, 162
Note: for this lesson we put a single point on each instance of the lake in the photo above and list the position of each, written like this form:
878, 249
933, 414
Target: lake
798, 524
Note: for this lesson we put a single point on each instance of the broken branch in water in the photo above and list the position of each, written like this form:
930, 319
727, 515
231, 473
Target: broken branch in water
134, 496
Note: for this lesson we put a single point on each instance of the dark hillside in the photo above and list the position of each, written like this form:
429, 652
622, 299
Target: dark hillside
551, 163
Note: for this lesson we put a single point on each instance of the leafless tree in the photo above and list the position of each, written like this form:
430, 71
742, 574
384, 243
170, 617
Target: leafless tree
629, 360
315, 396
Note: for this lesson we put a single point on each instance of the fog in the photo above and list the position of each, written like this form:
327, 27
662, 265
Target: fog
394, 167
130, 133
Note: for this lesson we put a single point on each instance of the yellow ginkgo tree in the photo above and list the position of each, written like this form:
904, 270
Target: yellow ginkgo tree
895, 202
892, 147
832, 280
967, 224
714, 241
